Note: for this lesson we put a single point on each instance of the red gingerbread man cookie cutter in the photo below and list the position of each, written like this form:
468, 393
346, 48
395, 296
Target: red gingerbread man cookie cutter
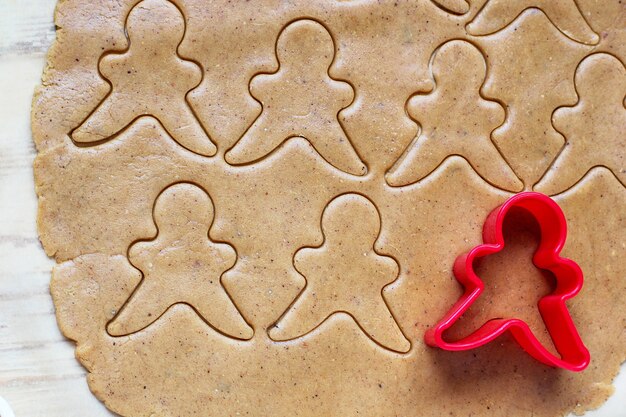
574, 356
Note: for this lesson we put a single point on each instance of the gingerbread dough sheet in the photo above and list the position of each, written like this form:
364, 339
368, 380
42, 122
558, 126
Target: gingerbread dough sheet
255, 206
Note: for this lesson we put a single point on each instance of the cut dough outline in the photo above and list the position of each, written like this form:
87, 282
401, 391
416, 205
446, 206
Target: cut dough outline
589, 174
275, 70
418, 134
152, 239
321, 238
448, 9
490, 82
565, 142
126, 49
523, 11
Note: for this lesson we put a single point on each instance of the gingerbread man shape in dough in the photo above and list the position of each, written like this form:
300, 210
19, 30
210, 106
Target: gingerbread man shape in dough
147, 75
345, 274
594, 127
301, 100
182, 265
455, 119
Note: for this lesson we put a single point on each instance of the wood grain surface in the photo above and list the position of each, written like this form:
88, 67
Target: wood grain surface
38, 373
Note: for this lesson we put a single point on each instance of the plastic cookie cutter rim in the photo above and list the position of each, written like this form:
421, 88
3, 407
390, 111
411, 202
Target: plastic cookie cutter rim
569, 281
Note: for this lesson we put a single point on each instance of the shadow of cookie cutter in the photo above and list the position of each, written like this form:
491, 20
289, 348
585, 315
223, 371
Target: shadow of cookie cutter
574, 356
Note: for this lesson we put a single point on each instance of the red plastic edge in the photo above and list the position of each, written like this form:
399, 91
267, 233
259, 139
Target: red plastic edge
574, 356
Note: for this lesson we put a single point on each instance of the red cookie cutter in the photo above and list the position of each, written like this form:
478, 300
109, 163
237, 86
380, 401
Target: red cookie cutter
569, 281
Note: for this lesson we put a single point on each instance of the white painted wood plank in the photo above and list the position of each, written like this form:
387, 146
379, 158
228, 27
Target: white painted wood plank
27, 363
27, 26
39, 375
68, 397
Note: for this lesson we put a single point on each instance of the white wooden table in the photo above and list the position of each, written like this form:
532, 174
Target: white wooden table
38, 373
